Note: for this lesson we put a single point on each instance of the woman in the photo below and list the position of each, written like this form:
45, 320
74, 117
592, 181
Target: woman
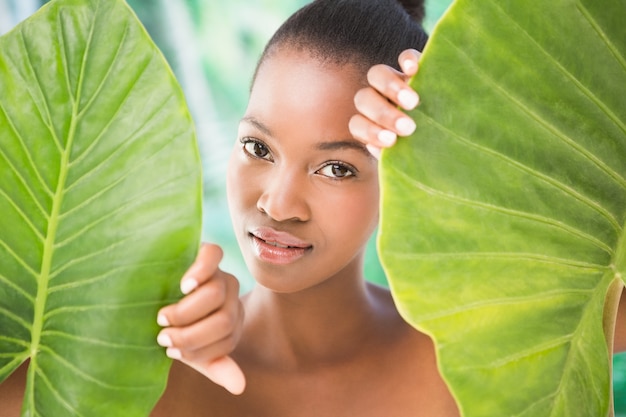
316, 339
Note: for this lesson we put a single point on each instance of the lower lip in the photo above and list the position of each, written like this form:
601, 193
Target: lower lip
274, 254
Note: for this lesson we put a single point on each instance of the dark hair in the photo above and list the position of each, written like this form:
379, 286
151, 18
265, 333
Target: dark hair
365, 32
415, 9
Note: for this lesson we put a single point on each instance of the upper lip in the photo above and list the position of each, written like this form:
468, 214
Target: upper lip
279, 237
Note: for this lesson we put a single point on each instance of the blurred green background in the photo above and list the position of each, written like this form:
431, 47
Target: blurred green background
212, 47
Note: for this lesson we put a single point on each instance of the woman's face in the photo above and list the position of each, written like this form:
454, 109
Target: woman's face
302, 193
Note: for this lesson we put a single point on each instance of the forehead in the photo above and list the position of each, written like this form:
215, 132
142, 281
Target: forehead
294, 84
296, 58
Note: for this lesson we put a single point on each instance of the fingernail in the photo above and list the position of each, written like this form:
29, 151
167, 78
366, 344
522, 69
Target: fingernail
405, 126
162, 320
408, 99
408, 66
387, 137
163, 339
187, 285
373, 150
173, 353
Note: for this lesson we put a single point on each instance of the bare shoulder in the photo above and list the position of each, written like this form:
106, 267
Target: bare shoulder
389, 318
412, 360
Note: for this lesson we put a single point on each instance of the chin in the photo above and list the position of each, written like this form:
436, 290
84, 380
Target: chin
278, 278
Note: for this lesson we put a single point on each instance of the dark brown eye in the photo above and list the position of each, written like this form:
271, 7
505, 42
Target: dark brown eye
337, 170
256, 149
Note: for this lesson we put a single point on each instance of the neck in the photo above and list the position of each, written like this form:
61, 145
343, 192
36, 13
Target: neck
321, 324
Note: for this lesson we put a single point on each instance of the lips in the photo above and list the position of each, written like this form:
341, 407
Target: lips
277, 247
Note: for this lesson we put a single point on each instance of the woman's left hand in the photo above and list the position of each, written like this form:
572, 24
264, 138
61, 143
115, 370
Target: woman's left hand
379, 121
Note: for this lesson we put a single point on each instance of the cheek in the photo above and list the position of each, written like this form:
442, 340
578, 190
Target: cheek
354, 216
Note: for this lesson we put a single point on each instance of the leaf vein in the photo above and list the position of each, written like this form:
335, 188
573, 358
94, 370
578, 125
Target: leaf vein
503, 301
19, 260
547, 398
15, 318
523, 354
25, 151
117, 150
64, 55
28, 189
56, 394
520, 256
535, 173
48, 123
15, 341
97, 342
601, 34
592, 97
78, 259
80, 373
92, 307
510, 212
4, 280
23, 215
102, 277
106, 76
12, 364
137, 199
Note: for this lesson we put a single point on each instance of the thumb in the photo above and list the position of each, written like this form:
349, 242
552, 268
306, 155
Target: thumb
223, 371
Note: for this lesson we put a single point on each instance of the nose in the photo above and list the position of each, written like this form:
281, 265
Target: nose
285, 197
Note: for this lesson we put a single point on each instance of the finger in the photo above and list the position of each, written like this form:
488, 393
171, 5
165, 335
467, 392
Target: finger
206, 318
193, 338
223, 371
206, 299
198, 348
370, 133
382, 113
210, 330
375, 151
408, 60
203, 268
392, 85
206, 353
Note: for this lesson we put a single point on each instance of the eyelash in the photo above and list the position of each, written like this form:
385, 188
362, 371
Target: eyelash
255, 142
351, 171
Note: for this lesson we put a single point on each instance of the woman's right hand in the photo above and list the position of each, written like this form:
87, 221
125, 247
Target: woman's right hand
203, 328
379, 121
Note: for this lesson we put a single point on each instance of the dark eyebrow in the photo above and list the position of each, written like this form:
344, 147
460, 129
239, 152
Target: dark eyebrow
324, 146
343, 144
251, 120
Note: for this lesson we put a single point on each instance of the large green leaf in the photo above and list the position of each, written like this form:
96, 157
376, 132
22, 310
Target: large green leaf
100, 208
503, 217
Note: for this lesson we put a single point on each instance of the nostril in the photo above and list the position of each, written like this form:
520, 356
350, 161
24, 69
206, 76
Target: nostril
285, 199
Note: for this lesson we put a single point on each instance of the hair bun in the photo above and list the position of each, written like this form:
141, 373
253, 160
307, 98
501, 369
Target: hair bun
415, 9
